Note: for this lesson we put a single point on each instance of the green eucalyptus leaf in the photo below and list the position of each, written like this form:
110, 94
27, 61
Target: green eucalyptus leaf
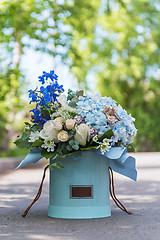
69, 148
75, 147
73, 103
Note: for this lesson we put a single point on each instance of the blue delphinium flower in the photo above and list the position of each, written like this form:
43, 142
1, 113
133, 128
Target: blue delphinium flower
36, 115
45, 97
45, 76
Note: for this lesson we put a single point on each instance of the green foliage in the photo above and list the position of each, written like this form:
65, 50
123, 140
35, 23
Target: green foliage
88, 148
56, 165
36, 127
73, 145
46, 154
73, 97
37, 143
23, 141
108, 134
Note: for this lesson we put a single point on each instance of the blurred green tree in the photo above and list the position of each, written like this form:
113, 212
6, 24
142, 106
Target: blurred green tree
128, 59
116, 42
46, 26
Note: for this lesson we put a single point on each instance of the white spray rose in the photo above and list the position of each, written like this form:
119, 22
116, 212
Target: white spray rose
70, 124
63, 136
62, 99
82, 134
49, 132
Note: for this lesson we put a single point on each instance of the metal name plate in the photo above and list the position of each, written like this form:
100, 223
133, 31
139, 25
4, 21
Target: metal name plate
81, 191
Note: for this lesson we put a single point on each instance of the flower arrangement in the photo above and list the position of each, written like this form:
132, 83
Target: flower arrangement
62, 125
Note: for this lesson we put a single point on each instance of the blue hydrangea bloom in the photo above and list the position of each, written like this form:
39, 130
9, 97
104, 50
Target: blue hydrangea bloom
92, 110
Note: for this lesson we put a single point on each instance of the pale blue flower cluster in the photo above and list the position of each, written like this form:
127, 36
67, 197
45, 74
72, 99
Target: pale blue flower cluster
92, 110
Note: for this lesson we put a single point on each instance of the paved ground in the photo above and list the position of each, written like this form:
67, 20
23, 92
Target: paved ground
18, 188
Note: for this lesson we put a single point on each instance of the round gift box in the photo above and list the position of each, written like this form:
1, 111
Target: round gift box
81, 189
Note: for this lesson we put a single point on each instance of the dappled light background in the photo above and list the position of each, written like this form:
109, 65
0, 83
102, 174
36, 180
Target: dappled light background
106, 46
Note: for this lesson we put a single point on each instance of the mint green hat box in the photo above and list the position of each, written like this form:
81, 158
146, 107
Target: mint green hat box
81, 189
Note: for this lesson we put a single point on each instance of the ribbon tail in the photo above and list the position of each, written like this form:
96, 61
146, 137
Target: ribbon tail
126, 168
30, 158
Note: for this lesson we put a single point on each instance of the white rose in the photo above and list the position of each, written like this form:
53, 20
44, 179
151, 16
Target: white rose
63, 136
62, 99
70, 124
49, 125
82, 134
49, 132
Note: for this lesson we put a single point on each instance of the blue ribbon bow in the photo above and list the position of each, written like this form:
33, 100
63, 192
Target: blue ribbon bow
119, 161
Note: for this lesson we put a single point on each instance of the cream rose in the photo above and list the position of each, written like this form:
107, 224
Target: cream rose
82, 134
58, 125
70, 124
63, 136
58, 119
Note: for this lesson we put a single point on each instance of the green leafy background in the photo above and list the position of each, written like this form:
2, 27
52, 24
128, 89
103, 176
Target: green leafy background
109, 46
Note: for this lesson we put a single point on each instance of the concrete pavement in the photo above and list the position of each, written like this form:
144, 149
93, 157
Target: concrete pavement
18, 188
8, 164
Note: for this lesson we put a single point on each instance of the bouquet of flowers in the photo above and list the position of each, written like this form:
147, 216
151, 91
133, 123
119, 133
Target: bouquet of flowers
64, 124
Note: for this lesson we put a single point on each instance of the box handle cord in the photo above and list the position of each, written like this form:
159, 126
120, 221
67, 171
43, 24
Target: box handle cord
112, 192
38, 194
111, 188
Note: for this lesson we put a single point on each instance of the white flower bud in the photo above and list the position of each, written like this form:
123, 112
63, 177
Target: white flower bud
82, 134
62, 99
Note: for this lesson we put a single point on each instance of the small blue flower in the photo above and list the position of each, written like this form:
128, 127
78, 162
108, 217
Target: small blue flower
41, 79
